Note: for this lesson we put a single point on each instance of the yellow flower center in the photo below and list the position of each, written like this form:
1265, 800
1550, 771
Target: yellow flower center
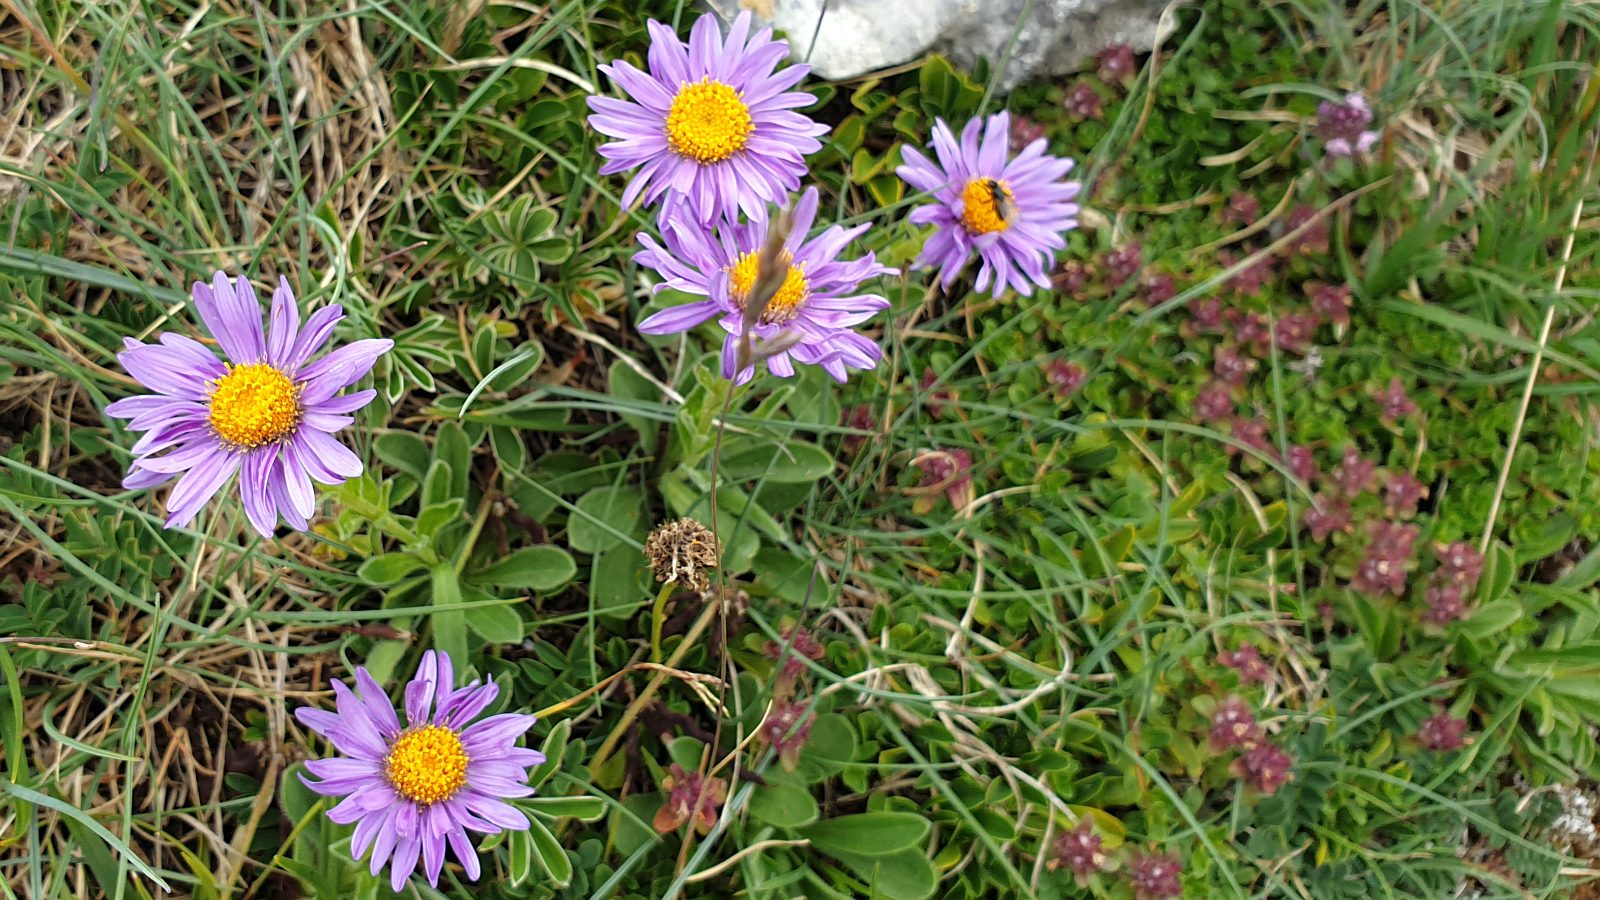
784, 304
708, 122
988, 206
427, 764
254, 405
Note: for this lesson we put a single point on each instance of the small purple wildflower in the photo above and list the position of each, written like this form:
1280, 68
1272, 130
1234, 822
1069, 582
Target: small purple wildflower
1394, 403
1327, 515
787, 729
1332, 303
1265, 768
1070, 276
1024, 131
1065, 377
1296, 331
936, 401
1156, 877
1354, 475
1384, 564
801, 645
1251, 433
1079, 851
1083, 101
1401, 493
691, 797
1442, 732
1301, 465
1445, 604
1241, 208
1248, 663
1214, 403
1116, 64
1232, 367
1233, 726
861, 419
1159, 288
1314, 240
1207, 314
1459, 564
1124, 263
1252, 279
949, 471
1251, 330
1342, 126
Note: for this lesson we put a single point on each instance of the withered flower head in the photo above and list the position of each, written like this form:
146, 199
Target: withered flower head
680, 552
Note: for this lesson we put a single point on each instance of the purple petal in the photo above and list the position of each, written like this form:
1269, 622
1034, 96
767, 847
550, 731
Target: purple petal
164, 371
330, 456
199, 485
346, 404
254, 475
319, 326
679, 318
405, 862
495, 732
377, 704
341, 368
284, 319
466, 853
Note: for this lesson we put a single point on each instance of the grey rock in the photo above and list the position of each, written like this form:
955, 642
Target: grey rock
861, 36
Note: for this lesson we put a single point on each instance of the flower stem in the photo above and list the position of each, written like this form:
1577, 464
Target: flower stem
657, 614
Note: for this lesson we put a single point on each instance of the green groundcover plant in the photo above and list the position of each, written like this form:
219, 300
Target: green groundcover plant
657, 472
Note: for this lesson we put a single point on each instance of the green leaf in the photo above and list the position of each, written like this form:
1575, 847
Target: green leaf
450, 444
630, 385
508, 448
789, 462
388, 568
555, 744
618, 579
405, 451
520, 844
436, 516
586, 808
906, 875
551, 856
541, 568
450, 626
605, 518
783, 805
495, 624
873, 833
1491, 619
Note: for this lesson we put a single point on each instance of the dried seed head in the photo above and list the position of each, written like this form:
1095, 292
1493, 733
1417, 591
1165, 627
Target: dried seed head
680, 551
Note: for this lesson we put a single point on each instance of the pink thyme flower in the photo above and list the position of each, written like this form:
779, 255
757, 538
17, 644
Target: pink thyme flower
1159, 288
691, 797
1248, 663
1445, 604
1354, 475
1401, 494
1080, 851
1301, 465
1206, 314
1343, 126
1065, 377
1124, 263
1251, 330
861, 419
1116, 64
1332, 303
1264, 767
1249, 281
1231, 367
1394, 403
949, 471
1442, 732
1313, 240
1459, 564
936, 401
1327, 515
1385, 562
1233, 726
786, 729
1296, 331
1214, 403
1070, 276
1083, 102
1024, 131
1251, 433
1241, 208
1156, 877
801, 644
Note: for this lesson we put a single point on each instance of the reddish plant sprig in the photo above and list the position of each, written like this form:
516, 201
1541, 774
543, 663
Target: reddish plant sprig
1156, 877
1081, 852
1214, 403
1442, 732
1233, 726
1264, 767
1083, 101
1401, 494
1248, 663
1394, 403
1064, 377
1241, 208
1327, 515
1354, 475
1123, 263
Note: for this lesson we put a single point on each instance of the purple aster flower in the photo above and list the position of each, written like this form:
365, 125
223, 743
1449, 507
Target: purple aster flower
810, 316
1012, 213
710, 121
411, 790
268, 415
